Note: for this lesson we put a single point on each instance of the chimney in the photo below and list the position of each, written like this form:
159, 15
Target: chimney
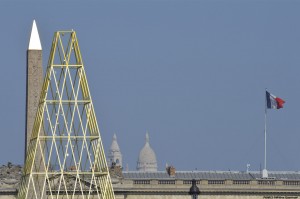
171, 171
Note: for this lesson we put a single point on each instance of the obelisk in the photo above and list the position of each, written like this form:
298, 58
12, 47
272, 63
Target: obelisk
34, 81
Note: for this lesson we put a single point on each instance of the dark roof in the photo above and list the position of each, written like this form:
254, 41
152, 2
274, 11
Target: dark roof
210, 175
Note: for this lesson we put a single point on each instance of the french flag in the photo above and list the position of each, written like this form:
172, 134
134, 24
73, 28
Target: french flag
274, 102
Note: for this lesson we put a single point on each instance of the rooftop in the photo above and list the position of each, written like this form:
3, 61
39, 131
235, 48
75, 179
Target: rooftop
212, 175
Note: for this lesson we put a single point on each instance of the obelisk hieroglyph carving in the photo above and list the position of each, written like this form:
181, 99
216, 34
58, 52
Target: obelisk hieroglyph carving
34, 81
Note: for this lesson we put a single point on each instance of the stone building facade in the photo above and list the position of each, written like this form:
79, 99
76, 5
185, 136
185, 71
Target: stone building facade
166, 185
212, 184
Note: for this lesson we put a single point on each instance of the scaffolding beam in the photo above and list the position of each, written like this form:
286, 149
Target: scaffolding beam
65, 156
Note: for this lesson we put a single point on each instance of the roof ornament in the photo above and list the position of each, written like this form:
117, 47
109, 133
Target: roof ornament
147, 137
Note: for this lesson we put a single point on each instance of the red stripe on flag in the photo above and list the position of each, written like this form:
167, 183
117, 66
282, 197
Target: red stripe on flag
280, 102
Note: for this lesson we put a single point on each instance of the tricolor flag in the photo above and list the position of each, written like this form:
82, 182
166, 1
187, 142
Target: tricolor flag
274, 102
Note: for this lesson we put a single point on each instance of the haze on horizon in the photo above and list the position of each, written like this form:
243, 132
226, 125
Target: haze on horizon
192, 73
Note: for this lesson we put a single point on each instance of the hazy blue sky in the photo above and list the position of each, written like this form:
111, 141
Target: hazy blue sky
192, 73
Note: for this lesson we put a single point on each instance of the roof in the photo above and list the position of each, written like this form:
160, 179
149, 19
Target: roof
210, 175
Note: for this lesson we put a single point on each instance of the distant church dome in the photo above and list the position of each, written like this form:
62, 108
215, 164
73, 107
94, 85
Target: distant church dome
147, 158
114, 155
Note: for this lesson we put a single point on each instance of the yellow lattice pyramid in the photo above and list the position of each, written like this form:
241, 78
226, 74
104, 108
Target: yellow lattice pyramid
65, 157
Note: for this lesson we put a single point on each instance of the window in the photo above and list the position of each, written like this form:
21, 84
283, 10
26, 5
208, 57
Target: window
291, 183
266, 182
241, 182
166, 182
216, 182
141, 182
190, 182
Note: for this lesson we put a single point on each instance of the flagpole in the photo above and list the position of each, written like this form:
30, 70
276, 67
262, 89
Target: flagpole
271, 102
265, 171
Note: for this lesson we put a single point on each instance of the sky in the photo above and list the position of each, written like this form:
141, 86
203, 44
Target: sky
191, 73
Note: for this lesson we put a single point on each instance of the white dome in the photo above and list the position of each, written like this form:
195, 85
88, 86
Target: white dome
147, 158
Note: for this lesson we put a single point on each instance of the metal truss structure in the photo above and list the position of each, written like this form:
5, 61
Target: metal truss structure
65, 157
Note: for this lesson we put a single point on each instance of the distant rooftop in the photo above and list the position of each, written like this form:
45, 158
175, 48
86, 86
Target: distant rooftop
212, 175
10, 176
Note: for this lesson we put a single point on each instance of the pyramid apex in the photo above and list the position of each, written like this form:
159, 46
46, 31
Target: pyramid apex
34, 42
